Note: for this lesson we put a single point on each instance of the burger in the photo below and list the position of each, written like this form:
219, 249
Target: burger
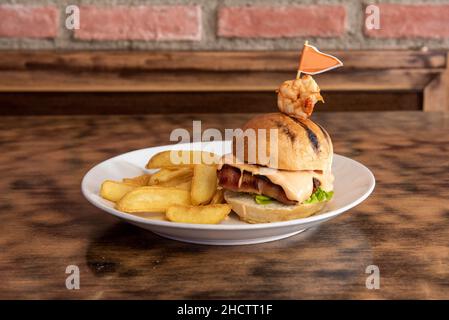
294, 178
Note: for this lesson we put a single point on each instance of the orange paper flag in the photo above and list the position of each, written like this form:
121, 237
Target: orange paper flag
313, 61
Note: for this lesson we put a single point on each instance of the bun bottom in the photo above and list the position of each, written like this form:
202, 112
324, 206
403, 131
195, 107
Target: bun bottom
244, 205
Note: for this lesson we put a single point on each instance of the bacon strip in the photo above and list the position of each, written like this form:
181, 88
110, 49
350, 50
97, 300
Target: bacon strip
228, 178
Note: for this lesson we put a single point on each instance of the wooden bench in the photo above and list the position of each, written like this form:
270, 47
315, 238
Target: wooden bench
61, 82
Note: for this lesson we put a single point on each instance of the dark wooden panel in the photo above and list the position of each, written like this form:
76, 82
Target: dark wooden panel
376, 71
201, 102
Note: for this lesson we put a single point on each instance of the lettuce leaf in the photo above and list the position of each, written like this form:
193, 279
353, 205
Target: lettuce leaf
260, 199
319, 195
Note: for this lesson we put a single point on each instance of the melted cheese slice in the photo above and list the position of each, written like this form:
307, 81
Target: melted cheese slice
298, 185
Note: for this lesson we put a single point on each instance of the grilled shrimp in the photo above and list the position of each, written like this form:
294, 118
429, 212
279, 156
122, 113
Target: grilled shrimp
297, 98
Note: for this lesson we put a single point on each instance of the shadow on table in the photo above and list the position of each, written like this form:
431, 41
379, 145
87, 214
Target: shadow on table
331, 258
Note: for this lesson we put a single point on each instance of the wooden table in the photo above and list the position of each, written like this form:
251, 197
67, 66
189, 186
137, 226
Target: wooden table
46, 224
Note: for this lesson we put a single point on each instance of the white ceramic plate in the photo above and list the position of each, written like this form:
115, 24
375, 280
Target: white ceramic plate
353, 184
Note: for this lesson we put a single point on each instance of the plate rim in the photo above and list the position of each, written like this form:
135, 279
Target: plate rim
240, 227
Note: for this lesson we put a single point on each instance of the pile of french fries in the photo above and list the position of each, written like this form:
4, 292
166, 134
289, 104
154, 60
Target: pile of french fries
186, 191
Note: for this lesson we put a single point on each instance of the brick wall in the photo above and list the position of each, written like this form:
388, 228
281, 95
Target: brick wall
223, 25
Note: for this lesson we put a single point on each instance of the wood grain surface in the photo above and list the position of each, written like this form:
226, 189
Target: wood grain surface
50, 71
205, 81
47, 225
52, 74
212, 60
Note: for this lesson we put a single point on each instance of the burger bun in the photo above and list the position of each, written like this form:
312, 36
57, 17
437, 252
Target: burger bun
248, 210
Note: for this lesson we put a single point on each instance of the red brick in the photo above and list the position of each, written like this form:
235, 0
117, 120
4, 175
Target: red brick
18, 21
175, 22
409, 21
282, 21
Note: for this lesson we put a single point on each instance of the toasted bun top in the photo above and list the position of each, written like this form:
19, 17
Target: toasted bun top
301, 144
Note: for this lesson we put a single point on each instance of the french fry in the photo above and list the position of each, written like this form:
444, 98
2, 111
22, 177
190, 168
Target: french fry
204, 184
210, 214
153, 199
187, 185
218, 197
115, 190
141, 180
181, 183
185, 189
165, 175
177, 158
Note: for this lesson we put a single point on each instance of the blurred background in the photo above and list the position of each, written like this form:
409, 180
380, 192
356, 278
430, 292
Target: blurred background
117, 56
